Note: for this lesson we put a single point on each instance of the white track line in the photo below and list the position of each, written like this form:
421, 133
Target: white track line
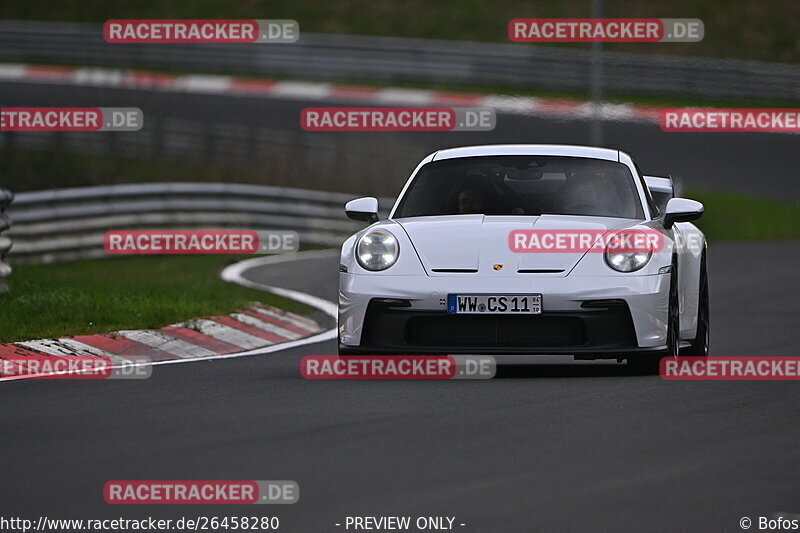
233, 273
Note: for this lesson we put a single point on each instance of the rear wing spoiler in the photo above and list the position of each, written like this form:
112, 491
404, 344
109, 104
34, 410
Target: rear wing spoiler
662, 185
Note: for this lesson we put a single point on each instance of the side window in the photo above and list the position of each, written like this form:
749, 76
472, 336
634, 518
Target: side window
661, 199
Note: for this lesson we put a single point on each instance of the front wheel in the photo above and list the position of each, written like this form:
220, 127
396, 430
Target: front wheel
700, 343
647, 363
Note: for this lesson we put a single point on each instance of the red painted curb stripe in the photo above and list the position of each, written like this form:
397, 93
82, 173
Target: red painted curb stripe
252, 86
353, 91
14, 352
652, 113
123, 346
195, 337
11, 350
49, 71
458, 99
559, 107
141, 79
247, 328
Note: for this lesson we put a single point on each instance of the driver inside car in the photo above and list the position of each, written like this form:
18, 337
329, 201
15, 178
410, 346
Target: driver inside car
475, 197
585, 194
470, 201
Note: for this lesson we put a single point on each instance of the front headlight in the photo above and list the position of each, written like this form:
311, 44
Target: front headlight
623, 257
377, 250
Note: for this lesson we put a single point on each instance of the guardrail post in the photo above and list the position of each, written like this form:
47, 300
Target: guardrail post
6, 198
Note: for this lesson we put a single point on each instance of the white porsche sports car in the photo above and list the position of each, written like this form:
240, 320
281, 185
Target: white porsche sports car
521, 249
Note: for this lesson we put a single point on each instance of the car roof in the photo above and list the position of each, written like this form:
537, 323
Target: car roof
528, 149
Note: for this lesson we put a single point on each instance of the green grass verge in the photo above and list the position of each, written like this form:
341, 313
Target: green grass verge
103, 295
731, 216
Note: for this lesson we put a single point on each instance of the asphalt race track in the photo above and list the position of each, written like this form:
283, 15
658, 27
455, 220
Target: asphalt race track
553, 446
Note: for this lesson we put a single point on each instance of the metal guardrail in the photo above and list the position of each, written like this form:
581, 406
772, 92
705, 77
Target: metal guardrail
6, 197
392, 59
284, 154
68, 224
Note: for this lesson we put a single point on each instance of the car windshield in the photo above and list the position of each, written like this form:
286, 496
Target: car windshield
522, 185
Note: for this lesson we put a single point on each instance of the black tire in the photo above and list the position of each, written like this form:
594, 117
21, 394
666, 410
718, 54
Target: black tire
649, 363
700, 343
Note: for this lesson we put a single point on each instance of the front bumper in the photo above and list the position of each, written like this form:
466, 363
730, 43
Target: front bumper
592, 317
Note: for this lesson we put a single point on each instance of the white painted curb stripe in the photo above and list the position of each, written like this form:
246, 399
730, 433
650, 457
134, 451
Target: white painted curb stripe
265, 326
511, 104
405, 96
204, 84
46, 346
290, 317
102, 77
229, 334
9, 71
285, 318
301, 89
67, 347
165, 343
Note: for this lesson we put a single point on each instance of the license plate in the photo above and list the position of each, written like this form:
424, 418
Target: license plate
494, 304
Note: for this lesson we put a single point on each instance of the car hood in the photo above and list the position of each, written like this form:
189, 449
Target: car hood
459, 244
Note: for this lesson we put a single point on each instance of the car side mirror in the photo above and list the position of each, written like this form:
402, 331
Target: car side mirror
681, 210
364, 209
